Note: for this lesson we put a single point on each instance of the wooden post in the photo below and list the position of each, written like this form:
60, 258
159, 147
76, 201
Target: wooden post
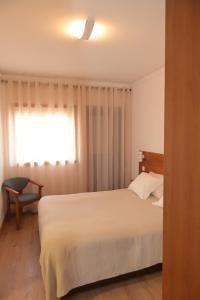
181, 268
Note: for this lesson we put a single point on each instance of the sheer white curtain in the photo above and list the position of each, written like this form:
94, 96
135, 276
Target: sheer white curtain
70, 137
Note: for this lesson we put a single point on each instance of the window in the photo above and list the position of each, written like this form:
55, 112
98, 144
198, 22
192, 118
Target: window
47, 137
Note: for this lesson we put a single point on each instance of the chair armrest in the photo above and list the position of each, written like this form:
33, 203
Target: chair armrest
40, 186
11, 190
36, 183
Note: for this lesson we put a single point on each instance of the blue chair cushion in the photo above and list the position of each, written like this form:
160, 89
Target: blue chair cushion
16, 183
28, 197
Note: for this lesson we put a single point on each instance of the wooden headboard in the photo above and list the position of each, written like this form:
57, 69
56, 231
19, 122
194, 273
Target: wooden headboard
152, 162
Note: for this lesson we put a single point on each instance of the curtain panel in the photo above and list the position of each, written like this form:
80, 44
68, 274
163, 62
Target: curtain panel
70, 137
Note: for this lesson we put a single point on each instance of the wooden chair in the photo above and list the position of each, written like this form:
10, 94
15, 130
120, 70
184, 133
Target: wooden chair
14, 189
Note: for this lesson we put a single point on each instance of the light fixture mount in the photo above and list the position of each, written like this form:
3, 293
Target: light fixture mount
89, 25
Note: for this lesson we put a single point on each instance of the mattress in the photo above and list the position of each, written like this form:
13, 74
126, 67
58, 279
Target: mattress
94, 236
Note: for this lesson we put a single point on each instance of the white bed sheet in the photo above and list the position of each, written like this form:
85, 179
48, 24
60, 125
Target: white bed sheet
93, 236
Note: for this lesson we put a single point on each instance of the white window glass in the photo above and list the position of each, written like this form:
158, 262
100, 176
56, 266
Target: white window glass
48, 137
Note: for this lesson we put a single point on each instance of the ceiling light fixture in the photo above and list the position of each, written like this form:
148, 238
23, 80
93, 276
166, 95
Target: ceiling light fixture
85, 30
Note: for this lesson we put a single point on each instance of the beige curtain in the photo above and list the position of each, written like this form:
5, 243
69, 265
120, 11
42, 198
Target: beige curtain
70, 137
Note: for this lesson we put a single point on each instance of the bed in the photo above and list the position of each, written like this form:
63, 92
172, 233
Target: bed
89, 237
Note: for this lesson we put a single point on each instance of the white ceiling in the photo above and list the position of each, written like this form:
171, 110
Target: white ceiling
32, 38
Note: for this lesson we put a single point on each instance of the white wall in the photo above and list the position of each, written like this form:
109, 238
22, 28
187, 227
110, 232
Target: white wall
2, 204
148, 115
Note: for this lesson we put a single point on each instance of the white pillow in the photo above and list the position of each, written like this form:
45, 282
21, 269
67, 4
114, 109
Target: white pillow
144, 185
159, 190
159, 203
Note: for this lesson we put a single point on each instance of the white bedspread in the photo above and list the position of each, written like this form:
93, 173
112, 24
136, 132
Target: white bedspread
93, 236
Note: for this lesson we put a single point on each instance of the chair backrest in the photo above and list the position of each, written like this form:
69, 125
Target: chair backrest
16, 183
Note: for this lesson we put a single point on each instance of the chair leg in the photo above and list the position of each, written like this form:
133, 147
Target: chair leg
8, 207
8, 211
18, 208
